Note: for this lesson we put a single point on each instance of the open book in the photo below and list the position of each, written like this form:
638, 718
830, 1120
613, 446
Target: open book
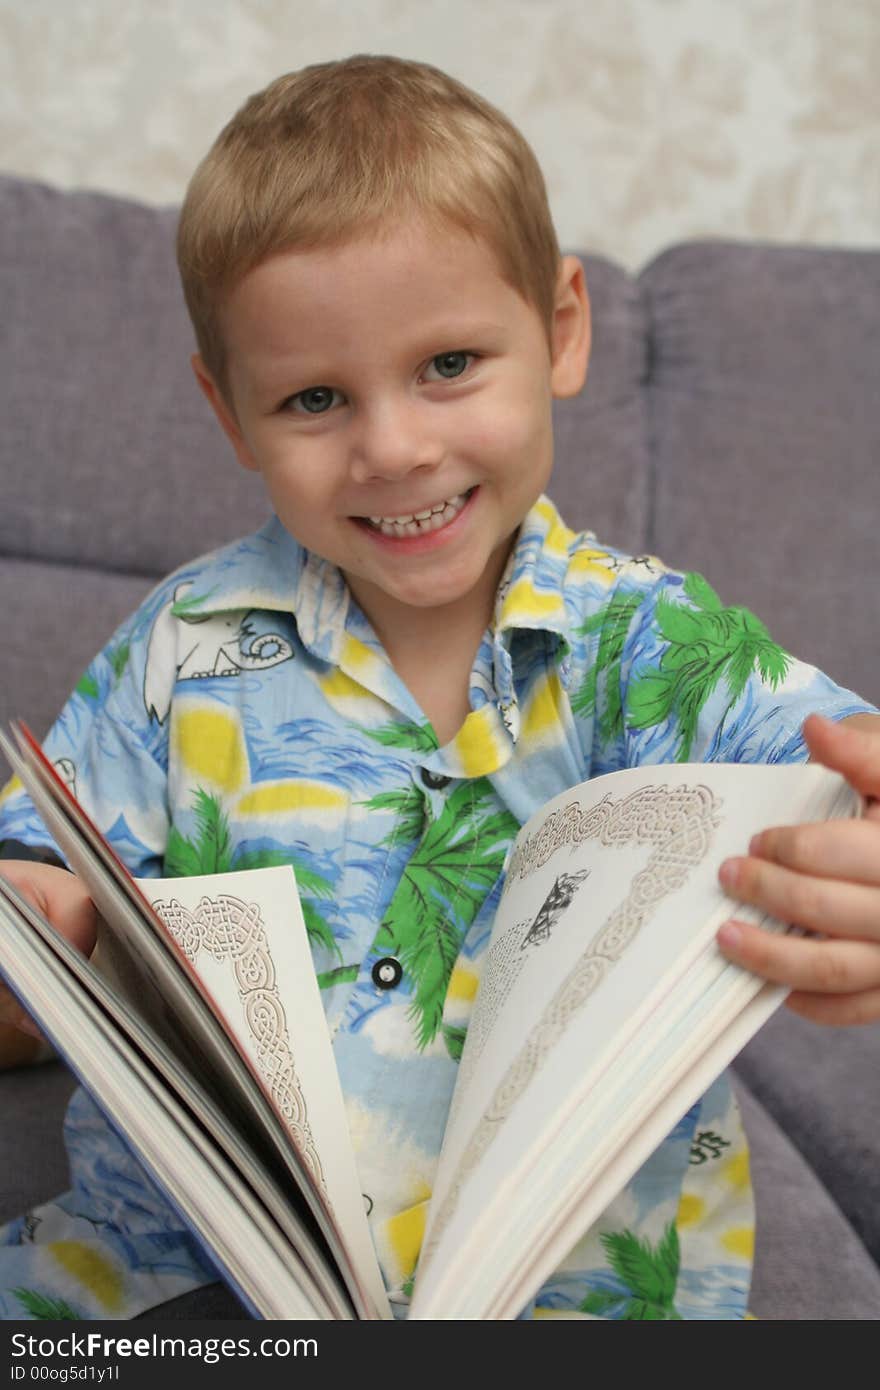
604, 1010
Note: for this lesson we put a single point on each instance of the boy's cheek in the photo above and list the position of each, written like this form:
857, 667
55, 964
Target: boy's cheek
301, 467
509, 434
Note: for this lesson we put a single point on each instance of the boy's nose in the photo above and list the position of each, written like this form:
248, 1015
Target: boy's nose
393, 439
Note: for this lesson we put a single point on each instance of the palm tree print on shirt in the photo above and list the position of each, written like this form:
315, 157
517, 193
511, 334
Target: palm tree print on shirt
40, 1308
398, 734
88, 685
705, 643
448, 877
210, 851
647, 1276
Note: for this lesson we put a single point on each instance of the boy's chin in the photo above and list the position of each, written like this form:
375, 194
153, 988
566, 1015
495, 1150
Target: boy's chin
428, 593
428, 598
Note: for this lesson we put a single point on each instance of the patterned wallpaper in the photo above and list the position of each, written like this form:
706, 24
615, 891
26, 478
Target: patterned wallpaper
655, 120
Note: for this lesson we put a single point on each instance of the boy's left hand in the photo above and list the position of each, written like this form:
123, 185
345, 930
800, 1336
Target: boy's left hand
825, 878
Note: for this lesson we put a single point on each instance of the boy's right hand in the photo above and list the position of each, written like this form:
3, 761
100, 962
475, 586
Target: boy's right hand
62, 899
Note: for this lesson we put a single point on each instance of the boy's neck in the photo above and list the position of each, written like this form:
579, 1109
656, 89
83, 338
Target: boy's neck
433, 651
436, 671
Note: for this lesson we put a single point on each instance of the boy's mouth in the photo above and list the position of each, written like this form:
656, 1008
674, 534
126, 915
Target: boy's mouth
432, 518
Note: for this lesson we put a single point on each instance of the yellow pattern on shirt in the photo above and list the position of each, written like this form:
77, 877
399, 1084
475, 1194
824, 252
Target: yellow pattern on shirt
210, 745
91, 1269
543, 711
405, 1233
270, 798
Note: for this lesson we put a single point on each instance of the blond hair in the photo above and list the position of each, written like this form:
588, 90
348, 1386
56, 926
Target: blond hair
339, 149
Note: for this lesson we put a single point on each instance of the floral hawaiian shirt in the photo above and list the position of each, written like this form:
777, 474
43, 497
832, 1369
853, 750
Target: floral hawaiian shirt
248, 715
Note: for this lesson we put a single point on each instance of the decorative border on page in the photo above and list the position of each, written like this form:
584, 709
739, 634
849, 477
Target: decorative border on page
233, 932
680, 823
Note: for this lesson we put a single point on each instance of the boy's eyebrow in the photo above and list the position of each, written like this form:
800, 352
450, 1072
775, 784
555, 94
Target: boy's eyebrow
272, 371
459, 330
443, 336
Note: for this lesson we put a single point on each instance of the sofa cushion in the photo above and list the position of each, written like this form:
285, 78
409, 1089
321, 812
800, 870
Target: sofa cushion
110, 455
765, 428
809, 1264
53, 620
820, 1085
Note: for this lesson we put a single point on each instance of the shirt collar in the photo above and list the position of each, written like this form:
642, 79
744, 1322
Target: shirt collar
532, 593
271, 571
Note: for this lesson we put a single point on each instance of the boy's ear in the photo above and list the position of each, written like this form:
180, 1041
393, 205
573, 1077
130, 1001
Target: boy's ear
224, 413
572, 332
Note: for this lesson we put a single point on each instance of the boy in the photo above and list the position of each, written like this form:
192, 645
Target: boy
387, 680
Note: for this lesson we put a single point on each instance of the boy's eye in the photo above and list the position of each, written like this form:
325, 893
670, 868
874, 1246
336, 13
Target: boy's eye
448, 364
316, 399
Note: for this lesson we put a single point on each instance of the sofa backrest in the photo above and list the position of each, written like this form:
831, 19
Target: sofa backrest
764, 407
707, 432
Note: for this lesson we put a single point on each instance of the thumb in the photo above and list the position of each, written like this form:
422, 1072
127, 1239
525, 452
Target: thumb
61, 898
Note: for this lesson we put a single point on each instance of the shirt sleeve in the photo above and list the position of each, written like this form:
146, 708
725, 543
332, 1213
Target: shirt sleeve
700, 682
111, 748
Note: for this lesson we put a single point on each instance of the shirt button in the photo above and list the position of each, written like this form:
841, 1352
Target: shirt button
434, 780
387, 973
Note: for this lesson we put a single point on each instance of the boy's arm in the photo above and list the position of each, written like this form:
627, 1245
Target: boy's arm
824, 878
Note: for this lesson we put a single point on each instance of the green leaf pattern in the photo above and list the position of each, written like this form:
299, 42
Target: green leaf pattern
444, 885
43, 1308
705, 645
612, 623
210, 851
401, 734
648, 1273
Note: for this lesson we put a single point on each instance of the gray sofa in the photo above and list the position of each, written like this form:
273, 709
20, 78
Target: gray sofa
731, 423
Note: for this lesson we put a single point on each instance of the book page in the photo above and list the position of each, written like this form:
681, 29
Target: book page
610, 901
244, 934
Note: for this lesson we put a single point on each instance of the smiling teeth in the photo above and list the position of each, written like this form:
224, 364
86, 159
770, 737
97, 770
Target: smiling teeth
416, 523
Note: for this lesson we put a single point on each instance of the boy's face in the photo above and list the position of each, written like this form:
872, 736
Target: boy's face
395, 394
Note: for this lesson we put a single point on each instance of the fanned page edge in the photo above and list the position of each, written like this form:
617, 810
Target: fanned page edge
145, 1108
722, 778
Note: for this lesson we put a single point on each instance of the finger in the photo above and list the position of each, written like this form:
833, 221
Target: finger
804, 900
60, 898
850, 749
847, 849
819, 967
75, 916
836, 1010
